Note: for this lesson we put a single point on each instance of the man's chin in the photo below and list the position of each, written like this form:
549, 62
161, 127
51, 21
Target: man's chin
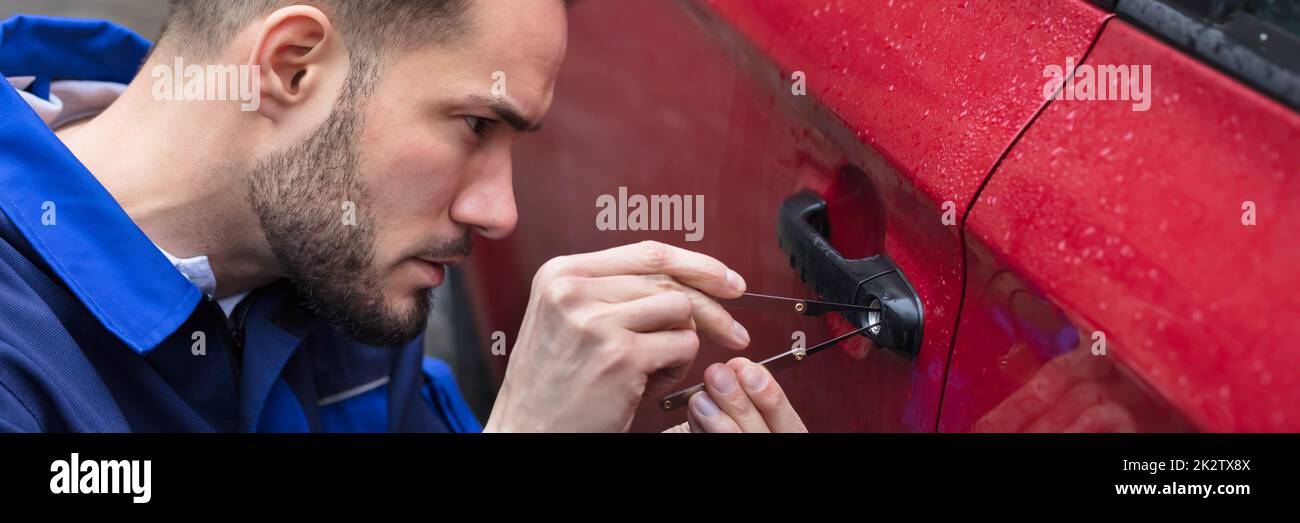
385, 334
396, 324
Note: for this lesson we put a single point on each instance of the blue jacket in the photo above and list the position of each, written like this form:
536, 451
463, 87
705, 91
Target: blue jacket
98, 330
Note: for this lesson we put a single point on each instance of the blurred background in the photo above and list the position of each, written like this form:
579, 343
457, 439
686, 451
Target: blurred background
450, 327
144, 16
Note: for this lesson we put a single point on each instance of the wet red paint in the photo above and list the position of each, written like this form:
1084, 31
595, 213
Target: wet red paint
1128, 223
910, 104
938, 88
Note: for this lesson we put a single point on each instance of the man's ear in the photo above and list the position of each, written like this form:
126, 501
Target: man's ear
297, 52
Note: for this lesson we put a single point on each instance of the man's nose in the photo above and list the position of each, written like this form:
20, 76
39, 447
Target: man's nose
487, 203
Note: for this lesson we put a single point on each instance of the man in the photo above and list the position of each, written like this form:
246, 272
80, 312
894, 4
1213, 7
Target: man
173, 261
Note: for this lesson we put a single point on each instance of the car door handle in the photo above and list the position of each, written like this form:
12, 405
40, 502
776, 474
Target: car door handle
875, 281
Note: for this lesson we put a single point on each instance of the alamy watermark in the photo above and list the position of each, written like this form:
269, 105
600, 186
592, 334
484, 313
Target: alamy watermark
212, 82
1101, 82
91, 476
658, 212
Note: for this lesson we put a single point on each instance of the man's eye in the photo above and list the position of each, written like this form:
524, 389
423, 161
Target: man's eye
479, 125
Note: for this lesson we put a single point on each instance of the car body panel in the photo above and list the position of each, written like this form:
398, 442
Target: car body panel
908, 107
1129, 225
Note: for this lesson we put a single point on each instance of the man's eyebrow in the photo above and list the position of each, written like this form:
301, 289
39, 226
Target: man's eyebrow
508, 113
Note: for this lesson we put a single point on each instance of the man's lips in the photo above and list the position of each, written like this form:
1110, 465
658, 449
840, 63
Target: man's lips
435, 272
450, 262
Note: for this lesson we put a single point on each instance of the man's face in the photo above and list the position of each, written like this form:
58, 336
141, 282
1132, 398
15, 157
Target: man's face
366, 214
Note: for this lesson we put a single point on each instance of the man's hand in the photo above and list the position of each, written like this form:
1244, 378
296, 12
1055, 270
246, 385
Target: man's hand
1073, 392
604, 329
741, 396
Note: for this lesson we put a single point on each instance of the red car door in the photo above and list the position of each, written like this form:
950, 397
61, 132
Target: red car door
892, 113
1135, 269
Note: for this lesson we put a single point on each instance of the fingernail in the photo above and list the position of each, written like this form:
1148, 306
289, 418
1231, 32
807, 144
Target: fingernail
735, 281
705, 406
741, 333
753, 378
724, 380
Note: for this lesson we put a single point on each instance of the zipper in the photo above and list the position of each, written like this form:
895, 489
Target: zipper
233, 330
240, 316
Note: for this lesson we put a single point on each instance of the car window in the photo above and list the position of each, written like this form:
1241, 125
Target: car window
1285, 14
1256, 41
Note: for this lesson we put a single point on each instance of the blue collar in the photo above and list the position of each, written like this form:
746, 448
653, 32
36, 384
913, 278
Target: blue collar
70, 220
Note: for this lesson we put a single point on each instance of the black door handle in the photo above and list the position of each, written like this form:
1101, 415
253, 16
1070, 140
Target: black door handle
802, 228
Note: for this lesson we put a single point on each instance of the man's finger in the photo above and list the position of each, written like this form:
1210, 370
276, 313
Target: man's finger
723, 387
694, 425
655, 312
712, 320
691, 268
767, 396
667, 354
704, 415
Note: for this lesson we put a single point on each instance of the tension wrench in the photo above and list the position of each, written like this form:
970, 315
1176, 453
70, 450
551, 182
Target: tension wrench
788, 358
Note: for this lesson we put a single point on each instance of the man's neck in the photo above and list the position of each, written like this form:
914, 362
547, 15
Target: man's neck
181, 184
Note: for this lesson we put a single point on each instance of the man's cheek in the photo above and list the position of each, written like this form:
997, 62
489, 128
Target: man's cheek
414, 186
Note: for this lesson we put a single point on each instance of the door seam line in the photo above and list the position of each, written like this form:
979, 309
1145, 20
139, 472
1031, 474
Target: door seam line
970, 207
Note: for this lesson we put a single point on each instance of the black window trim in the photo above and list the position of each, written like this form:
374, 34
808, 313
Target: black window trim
1224, 37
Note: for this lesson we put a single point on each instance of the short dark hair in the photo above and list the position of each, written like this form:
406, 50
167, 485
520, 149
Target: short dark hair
205, 27
371, 28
